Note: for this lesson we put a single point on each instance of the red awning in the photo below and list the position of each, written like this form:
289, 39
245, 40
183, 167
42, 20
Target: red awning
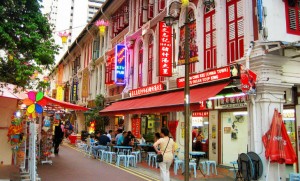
51, 101
167, 102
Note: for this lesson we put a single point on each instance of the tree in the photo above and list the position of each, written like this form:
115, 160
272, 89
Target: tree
26, 39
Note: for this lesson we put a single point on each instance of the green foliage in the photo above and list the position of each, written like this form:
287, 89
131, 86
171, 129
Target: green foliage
93, 114
26, 36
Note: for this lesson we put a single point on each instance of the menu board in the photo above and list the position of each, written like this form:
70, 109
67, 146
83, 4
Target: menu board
136, 127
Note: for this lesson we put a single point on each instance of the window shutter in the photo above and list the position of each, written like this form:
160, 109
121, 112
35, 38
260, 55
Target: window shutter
292, 12
235, 30
161, 5
151, 9
209, 40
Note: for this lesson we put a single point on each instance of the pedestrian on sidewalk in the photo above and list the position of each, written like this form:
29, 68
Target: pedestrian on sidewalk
58, 137
166, 145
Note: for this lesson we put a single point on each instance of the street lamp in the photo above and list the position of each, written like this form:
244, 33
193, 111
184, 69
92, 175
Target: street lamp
169, 19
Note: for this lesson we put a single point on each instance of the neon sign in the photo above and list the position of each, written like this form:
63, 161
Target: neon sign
120, 63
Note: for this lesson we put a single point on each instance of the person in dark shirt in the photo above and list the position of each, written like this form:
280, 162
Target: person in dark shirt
102, 143
103, 140
129, 139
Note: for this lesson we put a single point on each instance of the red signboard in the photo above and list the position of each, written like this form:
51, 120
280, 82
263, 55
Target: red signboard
110, 70
200, 114
136, 127
165, 50
147, 90
210, 76
248, 80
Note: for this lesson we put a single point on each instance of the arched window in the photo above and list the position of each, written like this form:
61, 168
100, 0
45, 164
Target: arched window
150, 60
140, 65
210, 49
235, 30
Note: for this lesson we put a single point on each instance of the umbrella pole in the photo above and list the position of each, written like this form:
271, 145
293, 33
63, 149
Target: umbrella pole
268, 171
278, 172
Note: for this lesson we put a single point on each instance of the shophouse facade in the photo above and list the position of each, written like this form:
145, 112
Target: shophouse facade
146, 96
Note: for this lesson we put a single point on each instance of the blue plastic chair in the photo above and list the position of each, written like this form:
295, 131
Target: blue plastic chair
150, 154
138, 155
177, 164
131, 158
109, 156
213, 165
294, 176
192, 165
120, 158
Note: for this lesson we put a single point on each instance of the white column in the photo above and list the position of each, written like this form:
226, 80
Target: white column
269, 96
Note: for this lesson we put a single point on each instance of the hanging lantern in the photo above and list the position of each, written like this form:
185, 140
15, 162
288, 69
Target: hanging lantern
101, 24
64, 37
185, 3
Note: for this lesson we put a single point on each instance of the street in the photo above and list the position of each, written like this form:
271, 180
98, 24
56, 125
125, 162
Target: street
72, 165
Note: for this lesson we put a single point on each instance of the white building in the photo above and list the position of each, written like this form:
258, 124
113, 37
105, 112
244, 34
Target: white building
70, 16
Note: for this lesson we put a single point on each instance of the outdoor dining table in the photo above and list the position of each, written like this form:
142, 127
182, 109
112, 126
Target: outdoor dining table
123, 148
197, 154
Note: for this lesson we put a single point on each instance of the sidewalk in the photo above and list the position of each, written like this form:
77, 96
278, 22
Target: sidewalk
151, 172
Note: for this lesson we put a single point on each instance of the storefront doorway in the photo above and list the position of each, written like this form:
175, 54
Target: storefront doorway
234, 135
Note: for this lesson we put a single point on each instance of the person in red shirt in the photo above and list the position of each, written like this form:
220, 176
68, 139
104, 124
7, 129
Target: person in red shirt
194, 133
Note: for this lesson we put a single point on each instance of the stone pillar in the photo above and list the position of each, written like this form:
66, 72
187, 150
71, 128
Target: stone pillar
269, 96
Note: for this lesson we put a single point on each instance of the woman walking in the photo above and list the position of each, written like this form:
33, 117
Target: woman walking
166, 145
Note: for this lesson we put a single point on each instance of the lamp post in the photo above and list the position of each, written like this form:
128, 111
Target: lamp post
169, 21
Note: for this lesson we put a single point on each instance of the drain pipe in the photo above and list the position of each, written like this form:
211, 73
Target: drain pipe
248, 54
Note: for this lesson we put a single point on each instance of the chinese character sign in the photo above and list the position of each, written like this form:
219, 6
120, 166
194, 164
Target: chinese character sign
136, 127
109, 70
74, 91
120, 64
165, 50
192, 44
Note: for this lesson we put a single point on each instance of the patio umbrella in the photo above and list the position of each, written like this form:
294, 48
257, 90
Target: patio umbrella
277, 142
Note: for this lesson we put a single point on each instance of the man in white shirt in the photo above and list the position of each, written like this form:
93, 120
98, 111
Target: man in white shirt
109, 134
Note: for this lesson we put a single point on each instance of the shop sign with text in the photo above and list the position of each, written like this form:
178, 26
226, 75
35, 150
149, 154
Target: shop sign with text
232, 102
120, 63
200, 114
147, 90
165, 50
110, 70
211, 76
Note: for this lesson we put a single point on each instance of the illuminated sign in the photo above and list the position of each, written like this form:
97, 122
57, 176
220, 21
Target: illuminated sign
120, 64
211, 76
200, 114
147, 90
109, 70
165, 50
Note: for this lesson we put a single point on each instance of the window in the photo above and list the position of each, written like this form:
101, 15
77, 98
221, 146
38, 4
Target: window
96, 48
151, 9
292, 11
150, 60
140, 66
76, 65
210, 40
235, 30
161, 5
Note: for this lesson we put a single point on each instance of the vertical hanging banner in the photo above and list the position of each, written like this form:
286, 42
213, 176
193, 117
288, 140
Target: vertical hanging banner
120, 64
60, 74
109, 70
165, 50
192, 44
85, 83
136, 127
74, 91
60, 93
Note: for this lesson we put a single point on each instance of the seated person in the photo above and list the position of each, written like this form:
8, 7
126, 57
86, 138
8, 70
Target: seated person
198, 144
129, 139
102, 143
121, 138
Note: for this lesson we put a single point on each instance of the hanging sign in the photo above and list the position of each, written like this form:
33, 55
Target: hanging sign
165, 50
211, 76
200, 114
248, 80
192, 44
110, 70
85, 83
136, 127
60, 93
120, 64
74, 91
147, 90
